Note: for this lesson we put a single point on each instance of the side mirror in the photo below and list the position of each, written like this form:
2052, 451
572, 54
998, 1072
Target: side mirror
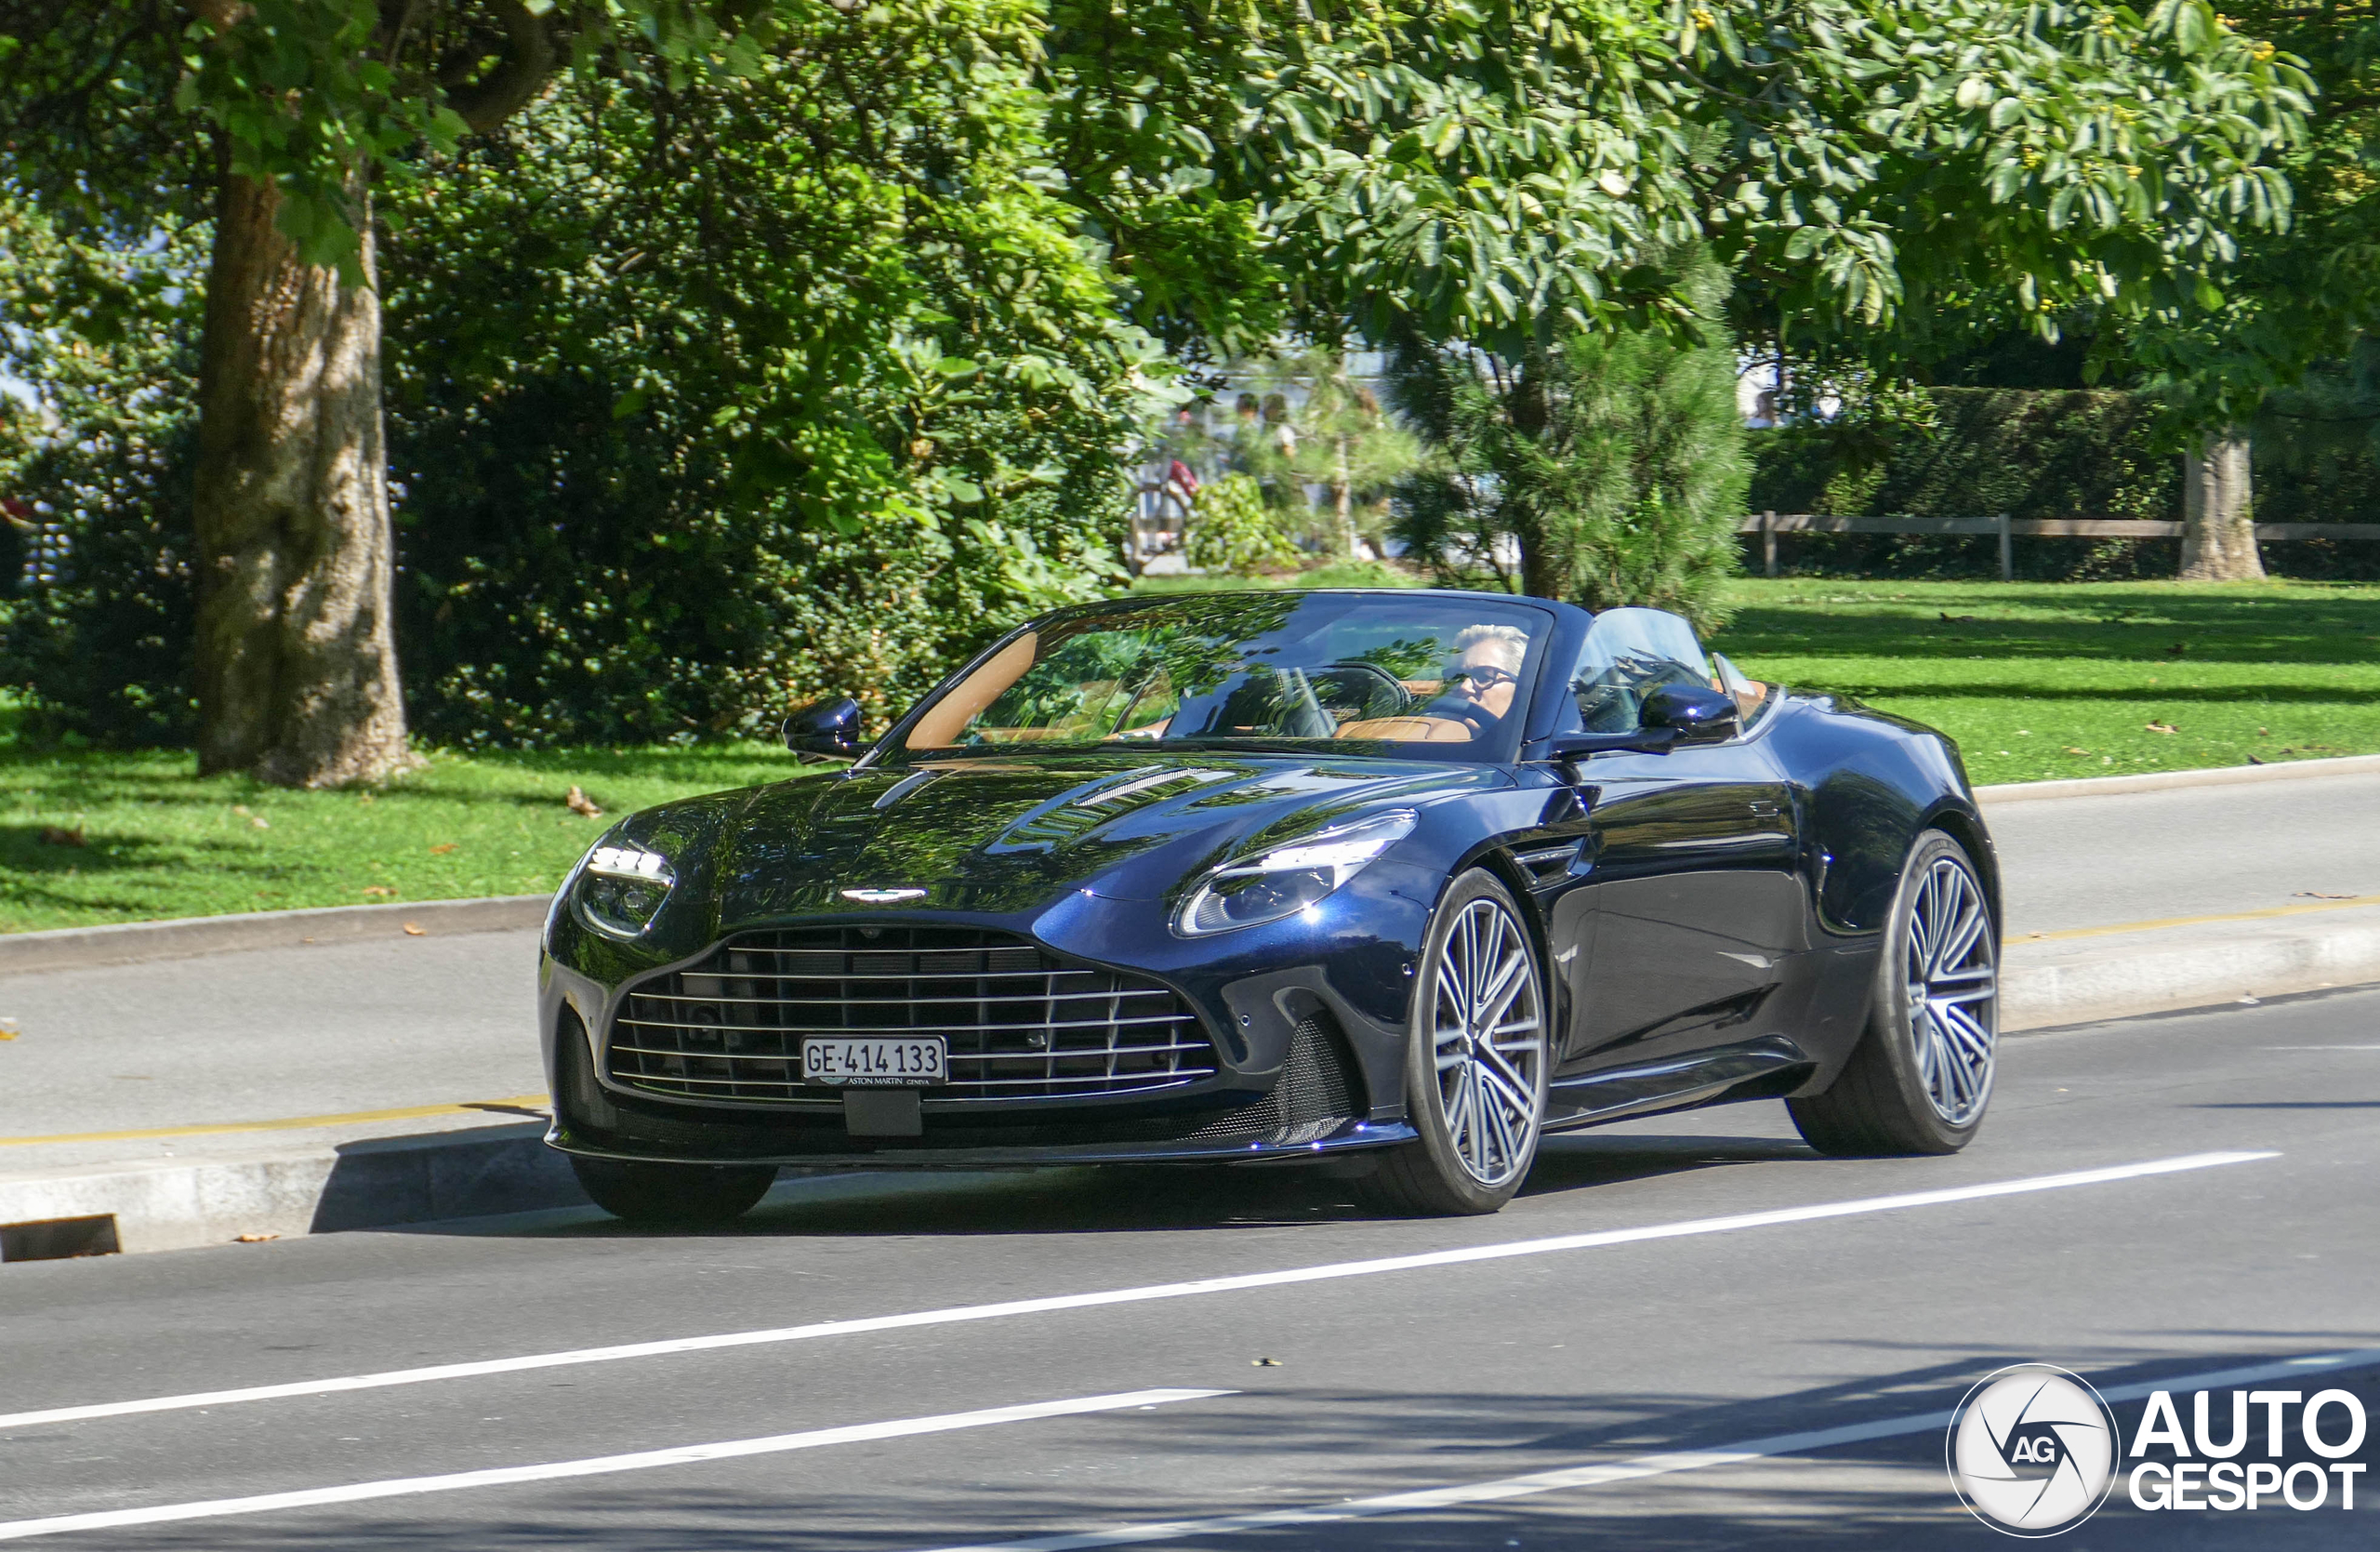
1695, 714
824, 730
1673, 716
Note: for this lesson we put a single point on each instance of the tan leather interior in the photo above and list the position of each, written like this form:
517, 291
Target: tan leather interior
1409, 730
939, 728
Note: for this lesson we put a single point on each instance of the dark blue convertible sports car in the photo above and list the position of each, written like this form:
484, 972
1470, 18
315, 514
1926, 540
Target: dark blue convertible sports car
1402, 879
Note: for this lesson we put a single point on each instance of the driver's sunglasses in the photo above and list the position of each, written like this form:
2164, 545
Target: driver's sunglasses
1485, 677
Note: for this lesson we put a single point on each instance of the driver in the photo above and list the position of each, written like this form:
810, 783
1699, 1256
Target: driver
1487, 666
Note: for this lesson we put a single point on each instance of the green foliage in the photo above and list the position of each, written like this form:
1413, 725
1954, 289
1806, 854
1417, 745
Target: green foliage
804, 390
1499, 172
97, 478
1971, 452
2288, 298
1233, 529
1974, 452
1611, 468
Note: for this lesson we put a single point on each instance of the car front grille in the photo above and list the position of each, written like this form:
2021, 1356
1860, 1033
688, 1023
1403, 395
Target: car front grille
1019, 1024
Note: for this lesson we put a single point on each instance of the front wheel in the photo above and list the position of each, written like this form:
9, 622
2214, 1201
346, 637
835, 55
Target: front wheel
689, 1194
1475, 1071
1921, 1077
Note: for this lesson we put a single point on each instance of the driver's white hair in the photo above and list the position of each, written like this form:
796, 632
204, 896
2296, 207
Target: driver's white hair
1511, 638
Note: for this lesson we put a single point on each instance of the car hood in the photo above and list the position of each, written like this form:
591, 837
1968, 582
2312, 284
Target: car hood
1004, 834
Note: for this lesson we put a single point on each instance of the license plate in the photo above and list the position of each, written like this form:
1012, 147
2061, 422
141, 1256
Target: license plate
875, 1063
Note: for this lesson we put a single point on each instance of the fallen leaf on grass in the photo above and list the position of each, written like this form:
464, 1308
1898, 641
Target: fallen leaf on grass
2177, 649
2258, 760
380, 889
53, 836
2262, 734
2162, 727
444, 847
581, 804
2071, 749
414, 929
2318, 895
257, 821
253, 1238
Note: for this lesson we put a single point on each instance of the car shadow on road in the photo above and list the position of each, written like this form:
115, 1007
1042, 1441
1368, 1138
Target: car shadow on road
1319, 1448
1128, 1199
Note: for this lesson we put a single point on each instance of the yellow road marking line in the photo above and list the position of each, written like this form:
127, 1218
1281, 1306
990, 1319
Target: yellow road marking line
2266, 914
298, 1123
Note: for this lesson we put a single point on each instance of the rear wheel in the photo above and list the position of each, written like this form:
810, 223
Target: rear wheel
1921, 1078
1474, 1072
692, 1194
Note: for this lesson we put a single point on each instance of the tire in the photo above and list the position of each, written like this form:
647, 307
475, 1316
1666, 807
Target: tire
1920, 1078
689, 1194
1471, 1156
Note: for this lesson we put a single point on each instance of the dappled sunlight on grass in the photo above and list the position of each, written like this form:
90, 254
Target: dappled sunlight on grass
2045, 680
156, 841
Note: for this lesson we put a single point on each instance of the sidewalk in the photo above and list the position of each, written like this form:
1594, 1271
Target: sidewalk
361, 1081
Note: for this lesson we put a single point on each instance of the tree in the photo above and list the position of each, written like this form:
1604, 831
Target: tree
301, 105
1499, 171
1486, 172
2292, 299
1610, 467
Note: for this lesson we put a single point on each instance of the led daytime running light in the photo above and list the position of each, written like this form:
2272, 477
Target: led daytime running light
629, 862
1307, 871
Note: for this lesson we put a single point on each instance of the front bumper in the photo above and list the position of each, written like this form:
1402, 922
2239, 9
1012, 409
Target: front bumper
1274, 1003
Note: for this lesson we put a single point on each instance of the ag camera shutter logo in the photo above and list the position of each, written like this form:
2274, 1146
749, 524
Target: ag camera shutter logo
2032, 1450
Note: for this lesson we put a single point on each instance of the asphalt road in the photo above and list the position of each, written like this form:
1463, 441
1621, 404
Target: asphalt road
2186, 851
1327, 1392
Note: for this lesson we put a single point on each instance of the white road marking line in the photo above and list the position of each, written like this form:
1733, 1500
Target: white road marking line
1135, 1295
1619, 1471
2320, 1048
684, 1454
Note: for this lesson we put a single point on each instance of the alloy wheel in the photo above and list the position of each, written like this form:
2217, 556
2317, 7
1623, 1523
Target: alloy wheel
1490, 1032
1953, 980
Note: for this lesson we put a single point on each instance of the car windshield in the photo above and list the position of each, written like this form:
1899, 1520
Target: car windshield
1419, 673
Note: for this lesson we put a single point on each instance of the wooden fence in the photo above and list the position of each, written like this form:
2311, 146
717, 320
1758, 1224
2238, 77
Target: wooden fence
1769, 525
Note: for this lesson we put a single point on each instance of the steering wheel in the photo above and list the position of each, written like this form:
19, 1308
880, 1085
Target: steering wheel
1357, 679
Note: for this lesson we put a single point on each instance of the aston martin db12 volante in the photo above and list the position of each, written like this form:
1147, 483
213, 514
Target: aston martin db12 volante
1398, 880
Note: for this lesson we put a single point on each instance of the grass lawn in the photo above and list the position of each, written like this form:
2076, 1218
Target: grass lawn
158, 841
2040, 679
2034, 680
2045, 680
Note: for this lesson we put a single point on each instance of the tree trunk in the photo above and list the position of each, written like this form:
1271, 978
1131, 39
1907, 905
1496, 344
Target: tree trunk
2218, 525
296, 662
1343, 498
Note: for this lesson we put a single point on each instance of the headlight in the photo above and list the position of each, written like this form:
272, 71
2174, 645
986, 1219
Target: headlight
1285, 880
621, 888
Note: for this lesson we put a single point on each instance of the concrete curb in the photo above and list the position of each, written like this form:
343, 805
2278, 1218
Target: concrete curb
2158, 781
374, 1184
131, 942
2081, 980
